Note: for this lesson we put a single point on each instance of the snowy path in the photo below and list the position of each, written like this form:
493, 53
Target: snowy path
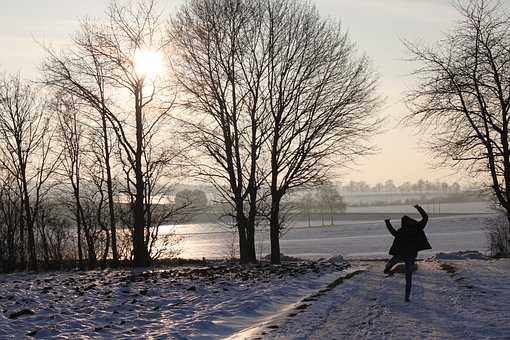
462, 300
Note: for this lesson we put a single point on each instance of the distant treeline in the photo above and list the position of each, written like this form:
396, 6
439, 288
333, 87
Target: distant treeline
389, 186
460, 197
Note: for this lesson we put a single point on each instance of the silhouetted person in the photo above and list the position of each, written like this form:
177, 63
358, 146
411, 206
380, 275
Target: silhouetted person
409, 240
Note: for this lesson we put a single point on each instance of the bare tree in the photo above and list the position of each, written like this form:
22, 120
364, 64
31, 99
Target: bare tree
25, 153
70, 139
10, 225
463, 94
220, 65
283, 96
110, 65
102, 200
163, 168
82, 72
321, 96
330, 199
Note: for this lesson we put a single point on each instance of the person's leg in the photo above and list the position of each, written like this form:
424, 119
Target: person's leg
409, 275
393, 261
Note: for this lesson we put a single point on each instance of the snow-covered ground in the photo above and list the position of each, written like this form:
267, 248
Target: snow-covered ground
461, 299
176, 303
465, 298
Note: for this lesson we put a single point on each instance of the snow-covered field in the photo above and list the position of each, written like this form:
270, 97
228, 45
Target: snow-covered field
455, 296
176, 303
357, 238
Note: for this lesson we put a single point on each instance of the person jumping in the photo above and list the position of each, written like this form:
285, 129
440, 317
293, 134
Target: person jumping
409, 240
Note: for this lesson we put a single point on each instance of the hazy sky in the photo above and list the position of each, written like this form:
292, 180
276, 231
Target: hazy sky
376, 25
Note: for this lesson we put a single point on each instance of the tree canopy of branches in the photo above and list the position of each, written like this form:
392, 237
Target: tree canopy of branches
463, 94
322, 98
26, 163
281, 95
105, 69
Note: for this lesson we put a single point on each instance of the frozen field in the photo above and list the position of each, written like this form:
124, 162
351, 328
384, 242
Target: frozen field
362, 237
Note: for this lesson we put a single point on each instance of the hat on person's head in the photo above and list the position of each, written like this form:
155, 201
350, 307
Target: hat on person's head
408, 221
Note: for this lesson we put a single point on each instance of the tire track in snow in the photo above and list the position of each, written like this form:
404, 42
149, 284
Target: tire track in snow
272, 326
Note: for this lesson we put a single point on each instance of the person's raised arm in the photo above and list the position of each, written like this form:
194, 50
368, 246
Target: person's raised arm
390, 227
424, 216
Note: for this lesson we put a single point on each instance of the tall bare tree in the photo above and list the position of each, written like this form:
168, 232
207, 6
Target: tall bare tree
463, 94
220, 65
108, 67
70, 133
321, 96
82, 72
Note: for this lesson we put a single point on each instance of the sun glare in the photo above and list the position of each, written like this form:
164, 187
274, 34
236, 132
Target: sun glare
148, 63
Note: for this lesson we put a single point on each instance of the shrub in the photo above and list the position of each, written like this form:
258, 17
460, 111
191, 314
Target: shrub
498, 234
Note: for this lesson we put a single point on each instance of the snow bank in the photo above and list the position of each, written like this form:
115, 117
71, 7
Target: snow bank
283, 258
337, 260
461, 255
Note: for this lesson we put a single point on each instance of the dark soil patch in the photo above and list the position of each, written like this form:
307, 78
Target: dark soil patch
22, 312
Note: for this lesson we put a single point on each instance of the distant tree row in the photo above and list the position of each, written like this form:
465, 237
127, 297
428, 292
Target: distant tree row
389, 186
325, 200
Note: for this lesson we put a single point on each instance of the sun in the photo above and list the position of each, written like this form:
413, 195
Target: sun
148, 64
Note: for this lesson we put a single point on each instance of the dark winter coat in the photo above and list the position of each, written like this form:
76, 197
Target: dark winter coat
410, 238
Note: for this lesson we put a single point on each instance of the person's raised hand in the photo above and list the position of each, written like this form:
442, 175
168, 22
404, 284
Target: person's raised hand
387, 220
416, 206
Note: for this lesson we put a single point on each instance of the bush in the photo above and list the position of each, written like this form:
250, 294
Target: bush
498, 234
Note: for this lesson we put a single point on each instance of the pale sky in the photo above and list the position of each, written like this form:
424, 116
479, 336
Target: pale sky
377, 26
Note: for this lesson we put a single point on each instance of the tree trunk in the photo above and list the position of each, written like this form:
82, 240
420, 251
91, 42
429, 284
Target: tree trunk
140, 253
508, 226
106, 247
75, 182
21, 237
78, 232
11, 249
91, 249
241, 228
109, 184
251, 254
44, 241
274, 225
32, 258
